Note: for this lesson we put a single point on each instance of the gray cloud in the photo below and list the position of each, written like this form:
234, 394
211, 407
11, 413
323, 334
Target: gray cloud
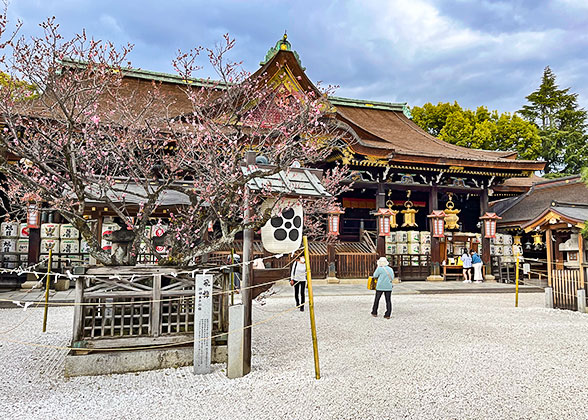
476, 52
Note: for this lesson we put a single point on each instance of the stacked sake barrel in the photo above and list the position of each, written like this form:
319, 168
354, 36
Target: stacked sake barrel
501, 246
9, 236
64, 242
410, 242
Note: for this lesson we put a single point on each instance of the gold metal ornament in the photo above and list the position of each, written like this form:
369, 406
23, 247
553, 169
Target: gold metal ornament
409, 213
452, 218
393, 213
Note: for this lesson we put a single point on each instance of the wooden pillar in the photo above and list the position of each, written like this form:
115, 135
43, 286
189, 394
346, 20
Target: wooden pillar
581, 261
549, 251
435, 246
486, 258
380, 203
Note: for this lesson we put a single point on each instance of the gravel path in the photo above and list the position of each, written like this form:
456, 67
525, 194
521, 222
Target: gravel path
448, 357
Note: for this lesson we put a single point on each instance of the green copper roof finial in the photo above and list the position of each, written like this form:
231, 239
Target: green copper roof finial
284, 45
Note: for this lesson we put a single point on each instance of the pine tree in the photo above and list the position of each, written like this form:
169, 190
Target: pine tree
561, 123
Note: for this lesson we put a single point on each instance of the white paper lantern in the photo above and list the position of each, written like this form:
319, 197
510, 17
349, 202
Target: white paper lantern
283, 232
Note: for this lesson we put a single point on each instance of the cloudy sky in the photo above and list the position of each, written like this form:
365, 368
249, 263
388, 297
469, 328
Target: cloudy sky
477, 52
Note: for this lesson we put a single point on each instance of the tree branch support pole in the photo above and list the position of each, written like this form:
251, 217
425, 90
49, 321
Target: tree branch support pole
246, 280
47, 284
317, 368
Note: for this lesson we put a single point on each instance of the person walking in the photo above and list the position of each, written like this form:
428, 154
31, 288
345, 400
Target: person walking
385, 275
298, 280
477, 264
467, 267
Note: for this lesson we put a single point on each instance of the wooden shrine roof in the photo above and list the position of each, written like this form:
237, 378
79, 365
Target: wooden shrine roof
390, 135
518, 211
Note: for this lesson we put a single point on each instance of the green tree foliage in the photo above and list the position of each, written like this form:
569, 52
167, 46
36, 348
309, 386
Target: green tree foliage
561, 123
479, 129
18, 88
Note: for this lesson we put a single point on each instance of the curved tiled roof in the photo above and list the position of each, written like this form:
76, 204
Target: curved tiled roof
393, 132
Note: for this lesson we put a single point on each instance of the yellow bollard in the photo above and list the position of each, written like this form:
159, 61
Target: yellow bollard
517, 279
317, 368
47, 284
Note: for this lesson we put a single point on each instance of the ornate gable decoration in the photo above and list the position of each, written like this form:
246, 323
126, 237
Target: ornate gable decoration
283, 45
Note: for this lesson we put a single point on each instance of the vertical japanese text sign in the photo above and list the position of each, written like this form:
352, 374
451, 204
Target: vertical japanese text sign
203, 324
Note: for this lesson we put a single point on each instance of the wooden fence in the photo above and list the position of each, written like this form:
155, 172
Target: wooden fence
565, 285
141, 306
355, 266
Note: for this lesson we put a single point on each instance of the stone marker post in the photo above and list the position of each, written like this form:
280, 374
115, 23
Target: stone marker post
203, 324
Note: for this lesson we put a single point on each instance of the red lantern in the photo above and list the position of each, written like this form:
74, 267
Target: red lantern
489, 220
33, 216
383, 216
334, 216
438, 219
210, 226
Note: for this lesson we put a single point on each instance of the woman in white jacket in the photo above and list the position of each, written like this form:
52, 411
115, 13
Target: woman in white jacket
298, 280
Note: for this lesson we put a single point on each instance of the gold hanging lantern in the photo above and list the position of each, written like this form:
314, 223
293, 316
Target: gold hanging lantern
409, 213
538, 240
451, 217
517, 239
393, 213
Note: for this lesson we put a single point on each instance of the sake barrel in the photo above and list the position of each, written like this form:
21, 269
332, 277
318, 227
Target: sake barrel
499, 249
401, 237
9, 229
425, 237
414, 236
50, 231
414, 248
492, 249
69, 232
499, 239
22, 246
8, 245
402, 248
507, 239
414, 260
84, 247
507, 250
54, 261
425, 248
390, 249
49, 244
23, 230
70, 246
158, 231
106, 245
392, 237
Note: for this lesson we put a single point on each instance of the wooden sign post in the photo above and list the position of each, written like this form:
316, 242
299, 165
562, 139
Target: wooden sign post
203, 324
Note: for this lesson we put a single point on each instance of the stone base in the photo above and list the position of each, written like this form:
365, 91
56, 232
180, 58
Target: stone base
29, 284
396, 280
434, 277
489, 278
106, 363
333, 280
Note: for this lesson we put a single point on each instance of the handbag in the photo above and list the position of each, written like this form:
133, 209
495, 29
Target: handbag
372, 282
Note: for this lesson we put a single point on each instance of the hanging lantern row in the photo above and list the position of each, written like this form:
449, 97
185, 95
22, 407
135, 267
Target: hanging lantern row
538, 240
438, 219
489, 220
393, 213
333, 222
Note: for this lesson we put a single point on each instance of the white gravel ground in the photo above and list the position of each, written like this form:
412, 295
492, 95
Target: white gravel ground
439, 357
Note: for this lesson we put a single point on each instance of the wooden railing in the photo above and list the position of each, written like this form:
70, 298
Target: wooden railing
351, 266
565, 285
138, 306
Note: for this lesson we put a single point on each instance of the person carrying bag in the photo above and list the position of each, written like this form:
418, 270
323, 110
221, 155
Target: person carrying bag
384, 275
298, 280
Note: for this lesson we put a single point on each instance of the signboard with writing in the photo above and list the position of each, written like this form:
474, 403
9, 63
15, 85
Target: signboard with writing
203, 324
